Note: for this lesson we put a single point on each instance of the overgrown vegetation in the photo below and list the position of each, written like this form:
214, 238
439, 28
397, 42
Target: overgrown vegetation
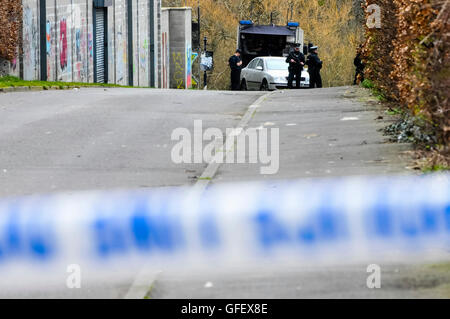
10, 26
407, 61
12, 81
436, 168
379, 95
330, 24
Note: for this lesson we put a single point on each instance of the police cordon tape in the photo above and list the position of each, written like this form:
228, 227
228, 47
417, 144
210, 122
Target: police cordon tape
304, 221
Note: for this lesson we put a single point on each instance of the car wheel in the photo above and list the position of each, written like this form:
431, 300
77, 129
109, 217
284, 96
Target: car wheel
244, 85
264, 86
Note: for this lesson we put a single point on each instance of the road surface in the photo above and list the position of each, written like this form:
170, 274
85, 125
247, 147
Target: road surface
84, 139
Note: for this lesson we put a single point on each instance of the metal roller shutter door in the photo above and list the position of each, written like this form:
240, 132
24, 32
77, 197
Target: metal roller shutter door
100, 44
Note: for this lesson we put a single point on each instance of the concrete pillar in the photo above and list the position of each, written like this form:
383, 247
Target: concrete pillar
180, 43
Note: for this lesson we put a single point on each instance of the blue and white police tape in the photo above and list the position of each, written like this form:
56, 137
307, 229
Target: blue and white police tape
305, 221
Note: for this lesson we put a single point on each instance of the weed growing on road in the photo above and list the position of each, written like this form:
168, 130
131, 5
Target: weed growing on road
368, 84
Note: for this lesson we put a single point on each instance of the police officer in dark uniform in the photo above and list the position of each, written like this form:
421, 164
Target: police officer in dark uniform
314, 67
296, 61
235, 63
359, 66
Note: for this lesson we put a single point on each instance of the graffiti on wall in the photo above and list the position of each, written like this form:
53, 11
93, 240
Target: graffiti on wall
91, 45
165, 63
80, 62
63, 43
80, 49
121, 54
78, 31
143, 55
48, 41
48, 37
78, 36
8, 67
30, 35
14, 65
179, 70
4, 67
188, 65
182, 64
69, 43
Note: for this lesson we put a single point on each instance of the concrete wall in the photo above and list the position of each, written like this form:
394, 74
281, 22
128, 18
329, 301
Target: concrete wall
30, 41
157, 42
188, 46
165, 52
70, 42
9, 67
180, 46
118, 43
142, 42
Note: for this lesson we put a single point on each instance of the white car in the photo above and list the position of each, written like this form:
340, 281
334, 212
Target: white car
269, 73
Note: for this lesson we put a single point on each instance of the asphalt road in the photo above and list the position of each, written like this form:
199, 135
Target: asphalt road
55, 141
65, 141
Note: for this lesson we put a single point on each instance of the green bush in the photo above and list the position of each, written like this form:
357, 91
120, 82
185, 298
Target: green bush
368, 84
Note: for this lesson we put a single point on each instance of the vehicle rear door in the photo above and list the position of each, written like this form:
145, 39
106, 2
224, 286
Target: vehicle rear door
251, 85
259, 73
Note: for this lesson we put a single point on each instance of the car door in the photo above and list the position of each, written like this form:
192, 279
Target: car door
250, 74
259, 73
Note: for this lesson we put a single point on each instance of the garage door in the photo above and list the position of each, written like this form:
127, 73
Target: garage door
100, 45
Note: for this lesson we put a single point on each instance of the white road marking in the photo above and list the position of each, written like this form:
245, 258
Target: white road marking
212, 167
142, 284
145, 279
350, 118
209, 284
309, 136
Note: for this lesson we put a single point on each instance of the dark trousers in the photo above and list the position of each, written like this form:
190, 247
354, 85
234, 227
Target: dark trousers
294, 73
235, 80
359, 71
315, 80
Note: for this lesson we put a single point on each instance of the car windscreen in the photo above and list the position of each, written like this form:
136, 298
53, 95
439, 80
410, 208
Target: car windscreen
277, 64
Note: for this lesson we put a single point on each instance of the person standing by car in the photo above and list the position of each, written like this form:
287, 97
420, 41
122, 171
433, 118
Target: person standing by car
296, 61
235, 63
314, 67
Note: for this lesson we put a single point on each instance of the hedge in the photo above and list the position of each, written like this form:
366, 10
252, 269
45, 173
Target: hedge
408, 59
10, 28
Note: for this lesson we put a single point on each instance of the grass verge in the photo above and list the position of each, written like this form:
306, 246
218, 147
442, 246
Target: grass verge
12, 81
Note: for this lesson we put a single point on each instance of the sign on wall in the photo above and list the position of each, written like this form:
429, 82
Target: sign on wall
206, 61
